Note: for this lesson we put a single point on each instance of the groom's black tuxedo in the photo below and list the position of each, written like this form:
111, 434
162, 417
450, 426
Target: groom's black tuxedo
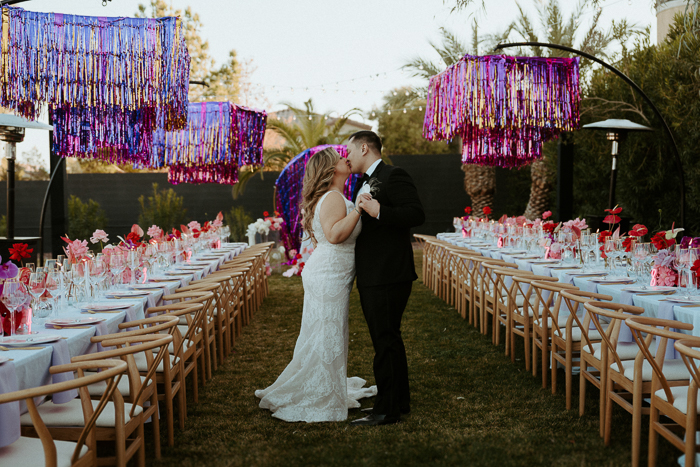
385, 273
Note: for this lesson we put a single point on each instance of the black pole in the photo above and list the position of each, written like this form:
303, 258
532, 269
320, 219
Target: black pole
626, 79
613, 183
43, 210
11, 148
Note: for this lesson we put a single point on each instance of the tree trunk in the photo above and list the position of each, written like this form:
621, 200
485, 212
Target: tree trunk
480, 185
539, 190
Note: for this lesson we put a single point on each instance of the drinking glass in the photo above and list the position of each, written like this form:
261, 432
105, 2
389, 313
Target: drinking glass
53, 285
31, 266
611, 251
117, 266
679, 263
13, 296
133, 260
37, 286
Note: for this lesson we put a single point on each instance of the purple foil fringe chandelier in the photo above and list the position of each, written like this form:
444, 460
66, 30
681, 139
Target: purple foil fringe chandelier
503, 107
288, 188
108, 82
220, 137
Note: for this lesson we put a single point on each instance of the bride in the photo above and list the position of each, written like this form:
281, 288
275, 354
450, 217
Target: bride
314, 387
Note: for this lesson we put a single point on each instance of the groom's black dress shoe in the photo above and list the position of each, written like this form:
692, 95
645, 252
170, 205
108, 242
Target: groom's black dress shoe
371, 410
375, 420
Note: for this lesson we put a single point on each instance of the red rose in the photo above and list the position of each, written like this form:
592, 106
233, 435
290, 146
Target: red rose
20, 251
133, 237
468, 210
487, 211
265, 213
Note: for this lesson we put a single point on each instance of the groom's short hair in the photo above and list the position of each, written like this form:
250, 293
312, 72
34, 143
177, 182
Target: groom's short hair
369, 138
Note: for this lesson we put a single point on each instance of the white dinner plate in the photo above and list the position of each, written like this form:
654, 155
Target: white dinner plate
4, 359
615, 280
74, 322
29, 339
144, 286
648, 289
103, 307
132, 293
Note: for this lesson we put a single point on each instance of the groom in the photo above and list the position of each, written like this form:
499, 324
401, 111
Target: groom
385, 269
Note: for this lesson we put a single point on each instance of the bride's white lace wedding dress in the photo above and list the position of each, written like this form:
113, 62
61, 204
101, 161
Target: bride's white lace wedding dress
314, 387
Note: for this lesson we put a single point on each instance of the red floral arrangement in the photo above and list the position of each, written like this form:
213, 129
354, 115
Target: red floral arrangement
487, 211
549, 227
468, 210
19, 251
660, 241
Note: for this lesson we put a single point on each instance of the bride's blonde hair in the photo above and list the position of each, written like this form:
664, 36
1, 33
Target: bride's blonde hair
318, 178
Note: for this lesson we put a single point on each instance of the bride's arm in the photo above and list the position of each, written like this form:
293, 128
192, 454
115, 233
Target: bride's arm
337, 226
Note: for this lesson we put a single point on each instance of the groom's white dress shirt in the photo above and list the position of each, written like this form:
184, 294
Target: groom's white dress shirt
365, 188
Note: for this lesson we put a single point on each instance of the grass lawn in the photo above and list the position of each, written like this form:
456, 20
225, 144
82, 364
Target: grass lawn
470, 404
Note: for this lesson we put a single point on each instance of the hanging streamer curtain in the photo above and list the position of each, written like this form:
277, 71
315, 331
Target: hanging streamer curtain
503, 107
288, 188
107, 82
220, 137
86, 61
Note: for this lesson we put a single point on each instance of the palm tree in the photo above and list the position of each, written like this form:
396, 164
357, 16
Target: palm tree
304, 130
555, 30
479, 181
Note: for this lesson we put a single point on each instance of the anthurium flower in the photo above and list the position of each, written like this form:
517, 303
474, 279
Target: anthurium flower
20, 251
638, 230
671, 234
137, 230
611, 218
546, 214
615, 210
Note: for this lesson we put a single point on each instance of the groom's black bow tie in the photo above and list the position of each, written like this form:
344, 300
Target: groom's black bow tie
364, 179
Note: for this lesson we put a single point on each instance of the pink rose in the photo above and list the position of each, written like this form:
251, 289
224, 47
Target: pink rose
194, 225
217, 223
555, 251
77, 249
666, 277
99, 236
154, 231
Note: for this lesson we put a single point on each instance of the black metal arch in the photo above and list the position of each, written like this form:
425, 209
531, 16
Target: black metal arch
626, 79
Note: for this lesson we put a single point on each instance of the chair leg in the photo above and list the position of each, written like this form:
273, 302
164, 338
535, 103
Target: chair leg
168, 392
553, 368
569, 373
582, 390
690, 427
636, 421
608, 413
155, 420
141, 459
181, 402
603, 399
654, 438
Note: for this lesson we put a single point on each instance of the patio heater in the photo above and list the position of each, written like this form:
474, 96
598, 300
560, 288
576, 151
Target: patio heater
616, 130
12, 130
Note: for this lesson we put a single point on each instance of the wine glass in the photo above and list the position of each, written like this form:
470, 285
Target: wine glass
13, 296
679, 264
611, 251
116, 266
53, 286
133, 259
30, 266
37, 286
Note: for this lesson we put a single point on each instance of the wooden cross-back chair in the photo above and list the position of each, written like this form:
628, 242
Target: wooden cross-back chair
152, 328
545, 313
521, 318
43, 449
121, 422
669, 381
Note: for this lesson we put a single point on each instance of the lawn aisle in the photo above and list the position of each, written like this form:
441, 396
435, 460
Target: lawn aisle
470, 405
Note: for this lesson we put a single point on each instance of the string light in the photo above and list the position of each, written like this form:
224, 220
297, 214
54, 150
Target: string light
404, 110
407, 93
388, 112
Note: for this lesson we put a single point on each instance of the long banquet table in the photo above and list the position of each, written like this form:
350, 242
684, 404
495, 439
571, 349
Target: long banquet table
30, 368
656, 306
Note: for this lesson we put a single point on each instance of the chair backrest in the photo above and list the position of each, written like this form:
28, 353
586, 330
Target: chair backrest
111, 372
523, 286
661, 329
126, 348
574, 299
496, 284
616, 313
547, 304
687, 348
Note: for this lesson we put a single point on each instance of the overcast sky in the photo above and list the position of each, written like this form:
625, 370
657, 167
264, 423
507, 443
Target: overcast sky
343, 54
